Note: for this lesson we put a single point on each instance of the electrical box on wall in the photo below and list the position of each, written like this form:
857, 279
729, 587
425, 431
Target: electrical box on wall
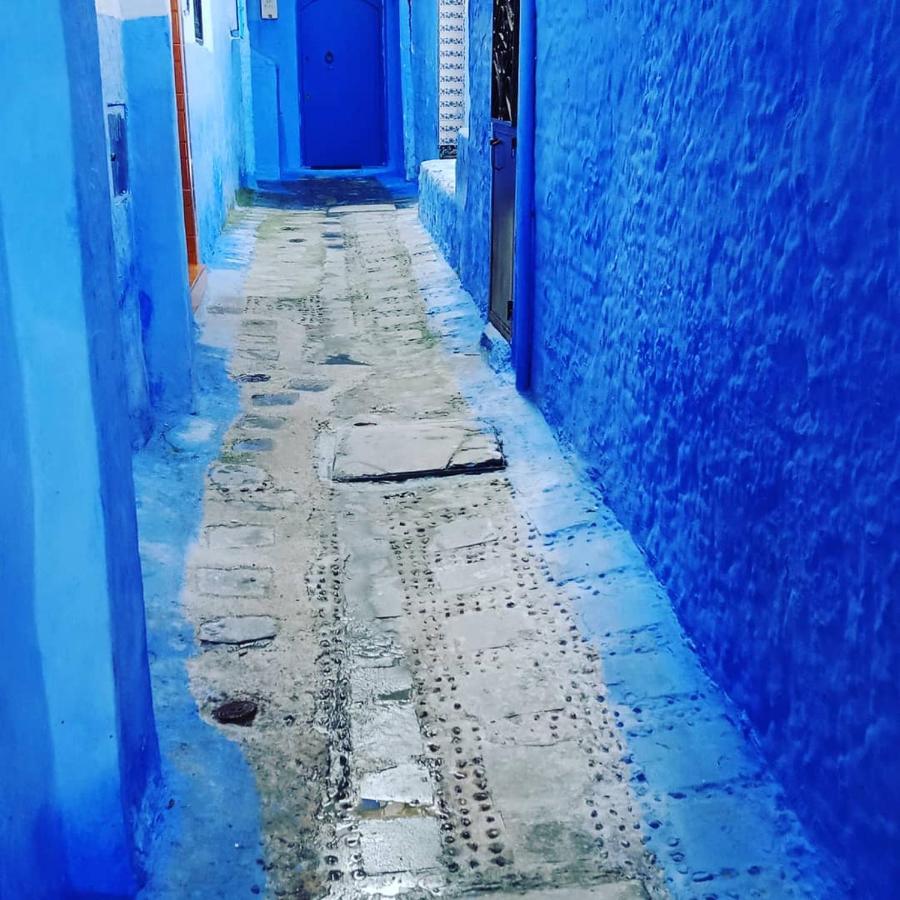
269, 9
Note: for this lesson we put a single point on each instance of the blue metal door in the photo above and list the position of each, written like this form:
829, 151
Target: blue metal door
342, 99
504, 118
503, 225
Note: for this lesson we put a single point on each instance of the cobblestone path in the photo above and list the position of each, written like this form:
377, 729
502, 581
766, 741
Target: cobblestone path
429, 720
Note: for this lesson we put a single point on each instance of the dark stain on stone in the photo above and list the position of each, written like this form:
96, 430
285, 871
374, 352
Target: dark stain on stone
308, 385
255, 378
236, 712
283, 399
253, 445
343, 359
270, 423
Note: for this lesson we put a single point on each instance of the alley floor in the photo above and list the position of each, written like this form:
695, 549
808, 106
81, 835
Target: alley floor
380, 626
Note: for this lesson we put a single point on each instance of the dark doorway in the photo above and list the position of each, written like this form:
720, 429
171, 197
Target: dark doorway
504, 118
342, 99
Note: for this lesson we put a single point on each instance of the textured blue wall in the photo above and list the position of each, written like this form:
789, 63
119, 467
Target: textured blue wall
718, 331
85, 714
437, 206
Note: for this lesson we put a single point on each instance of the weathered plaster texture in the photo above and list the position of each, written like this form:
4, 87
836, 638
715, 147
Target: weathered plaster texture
717, 331
437, 205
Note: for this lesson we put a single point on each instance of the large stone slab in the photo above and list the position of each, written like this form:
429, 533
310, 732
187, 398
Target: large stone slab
610, 890
407, 783
400, 845
381, 449
238, 630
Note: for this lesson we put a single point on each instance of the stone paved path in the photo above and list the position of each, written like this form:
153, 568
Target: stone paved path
429, 719
414, 627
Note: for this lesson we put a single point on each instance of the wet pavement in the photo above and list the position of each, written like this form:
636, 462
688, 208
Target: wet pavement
375, 577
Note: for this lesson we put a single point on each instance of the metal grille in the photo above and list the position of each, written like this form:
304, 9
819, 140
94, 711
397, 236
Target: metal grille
504, 98
452, 74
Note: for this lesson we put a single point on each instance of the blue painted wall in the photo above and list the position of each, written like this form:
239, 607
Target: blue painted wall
160, 253
717, 330
115, 96
215, 85
437, 206
276, 90
473, 167
148, 224
31, 848
78, 624
424, 63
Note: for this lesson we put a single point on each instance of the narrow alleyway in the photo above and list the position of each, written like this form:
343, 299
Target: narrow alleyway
379, 626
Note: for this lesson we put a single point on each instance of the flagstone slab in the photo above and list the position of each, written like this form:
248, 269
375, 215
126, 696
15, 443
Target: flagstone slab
381, 449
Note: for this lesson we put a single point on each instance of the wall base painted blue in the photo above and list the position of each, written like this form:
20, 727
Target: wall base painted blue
437, 205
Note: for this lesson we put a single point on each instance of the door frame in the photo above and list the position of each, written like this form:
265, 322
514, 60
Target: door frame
387, 140
196, 270
524, 267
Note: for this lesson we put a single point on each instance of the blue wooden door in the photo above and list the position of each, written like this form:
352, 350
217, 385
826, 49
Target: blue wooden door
342, 95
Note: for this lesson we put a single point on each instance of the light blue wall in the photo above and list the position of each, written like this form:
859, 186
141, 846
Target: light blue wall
31, 850
473, 168
148, 223
160, 252
717, 332
424, 64
437, 206
115, 95
276, 89
91, 727
215, 86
